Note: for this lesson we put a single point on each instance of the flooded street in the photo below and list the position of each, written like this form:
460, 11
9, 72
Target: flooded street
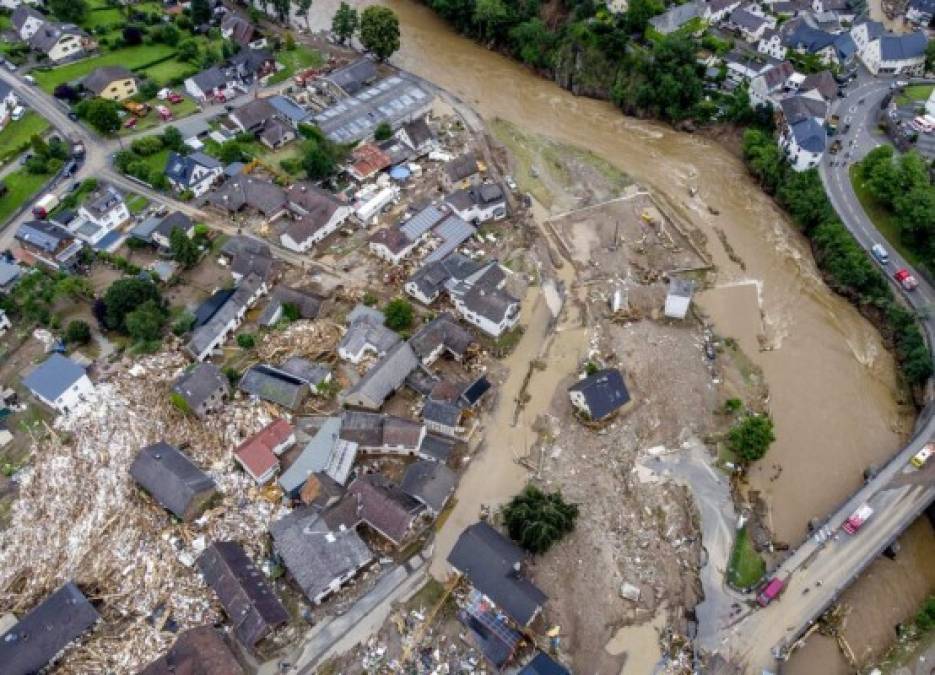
834, 394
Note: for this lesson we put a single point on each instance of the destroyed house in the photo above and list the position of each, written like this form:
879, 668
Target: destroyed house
459, 171
227, 319
543, 664
489, 630
244, 192
383, 379
269, 383
307, 305
197, 651
600, 394
366, 337
173, 480
442, 335
384, 507
490, 562
436, 448
353, 77
318, 559
432, 279
313, 374
248, 600
202, 388
38, 639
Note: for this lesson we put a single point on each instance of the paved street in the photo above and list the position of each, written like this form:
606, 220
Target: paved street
822, 567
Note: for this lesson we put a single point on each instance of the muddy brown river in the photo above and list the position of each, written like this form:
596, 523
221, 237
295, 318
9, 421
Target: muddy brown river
833, 390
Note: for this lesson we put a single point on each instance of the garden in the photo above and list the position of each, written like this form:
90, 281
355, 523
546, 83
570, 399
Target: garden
21, 187
15, 137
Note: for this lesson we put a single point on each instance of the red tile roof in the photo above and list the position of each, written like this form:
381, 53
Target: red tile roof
368, 159
256, 453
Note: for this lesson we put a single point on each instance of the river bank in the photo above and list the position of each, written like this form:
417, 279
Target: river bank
834, 394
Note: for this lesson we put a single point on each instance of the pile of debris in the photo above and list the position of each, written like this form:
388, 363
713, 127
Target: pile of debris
313, 340
80, 516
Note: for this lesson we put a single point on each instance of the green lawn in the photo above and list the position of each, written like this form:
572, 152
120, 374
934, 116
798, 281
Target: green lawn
915, 92
295, 59
164, 73
107, 17
157, 162
5, 22
129, 57
137, 203
882, 219
745, 567
22, 186
15, 136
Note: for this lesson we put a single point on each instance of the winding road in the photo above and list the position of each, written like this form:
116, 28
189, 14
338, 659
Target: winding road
828, 562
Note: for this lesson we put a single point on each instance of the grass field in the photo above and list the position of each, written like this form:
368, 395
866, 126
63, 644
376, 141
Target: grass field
137, 203
163, 73
5, 22
745, 567
295, 59
22, 186
108, 16
129, 57
157, 162
882, 219
915, 92
15, 136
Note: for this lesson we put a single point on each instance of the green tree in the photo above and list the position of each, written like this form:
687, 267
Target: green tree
343, 23
230, 151
39, 147
282, 8
102, 115
70, 11
379, 31
74, 288
318, 162
183, 323
201, 12
930, 55
490, 16
302, 8
246, 341
189, 51
383, 131
145, 323
78, 332
638, 14
536, 520
172, 138
751, 437
289, 42
534, 43
124, 296
167, 34
184, 251
398, 314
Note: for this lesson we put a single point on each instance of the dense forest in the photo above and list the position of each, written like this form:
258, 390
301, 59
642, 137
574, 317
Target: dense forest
594, 52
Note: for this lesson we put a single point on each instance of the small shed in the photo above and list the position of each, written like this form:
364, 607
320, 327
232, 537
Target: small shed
679, 297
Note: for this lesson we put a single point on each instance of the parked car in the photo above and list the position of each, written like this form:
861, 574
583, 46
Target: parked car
771, 591
17, 113
905, 279
29, 79
72, 115
10, 66
175, 98
920, 458
880, 253
130, 123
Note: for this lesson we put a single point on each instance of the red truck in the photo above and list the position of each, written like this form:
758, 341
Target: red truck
905, 279
857, 519
770, 591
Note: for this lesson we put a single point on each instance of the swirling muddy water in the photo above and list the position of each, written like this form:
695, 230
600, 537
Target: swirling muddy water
834, 393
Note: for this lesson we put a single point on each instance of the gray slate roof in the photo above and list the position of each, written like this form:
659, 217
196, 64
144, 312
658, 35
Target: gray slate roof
676, 17
197, 651
309, 372
45, 631
99, 78
250, 603
604, 392
383, 506
210, 79
386, 375
308, 304
442, 331
430, 482
809, 135
43, 234
54, 376
200, 383
488, 560
170, 477
274, 385
50, 33
313, 554
352, 77
218, 323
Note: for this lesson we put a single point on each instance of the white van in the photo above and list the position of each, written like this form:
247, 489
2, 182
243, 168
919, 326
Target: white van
17, 113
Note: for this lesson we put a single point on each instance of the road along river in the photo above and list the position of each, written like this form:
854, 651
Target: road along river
833, 390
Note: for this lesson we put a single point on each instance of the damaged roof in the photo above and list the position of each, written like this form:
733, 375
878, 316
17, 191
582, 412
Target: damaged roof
197, 651
170, 477
250, 604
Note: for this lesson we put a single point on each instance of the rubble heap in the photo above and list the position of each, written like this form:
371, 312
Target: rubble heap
80, 516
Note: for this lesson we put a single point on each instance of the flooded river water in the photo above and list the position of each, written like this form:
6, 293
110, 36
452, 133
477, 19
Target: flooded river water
833, 390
